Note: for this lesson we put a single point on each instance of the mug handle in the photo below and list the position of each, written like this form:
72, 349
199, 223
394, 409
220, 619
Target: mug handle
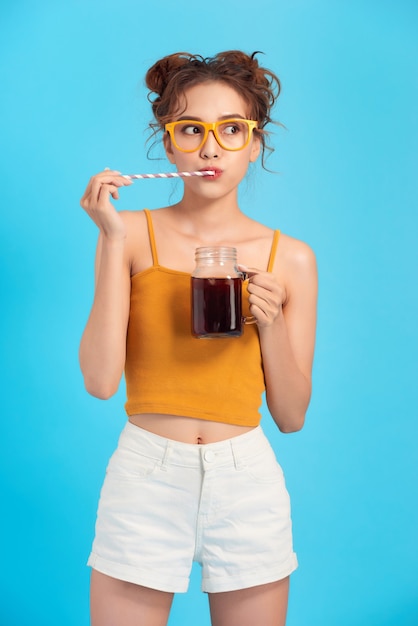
248, 319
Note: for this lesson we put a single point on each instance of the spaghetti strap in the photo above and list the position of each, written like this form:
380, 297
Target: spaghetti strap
151, 237
273, 250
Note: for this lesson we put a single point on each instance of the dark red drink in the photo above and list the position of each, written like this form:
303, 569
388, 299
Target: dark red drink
216, 307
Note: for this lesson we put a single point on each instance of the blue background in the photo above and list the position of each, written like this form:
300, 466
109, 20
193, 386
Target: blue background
72, 102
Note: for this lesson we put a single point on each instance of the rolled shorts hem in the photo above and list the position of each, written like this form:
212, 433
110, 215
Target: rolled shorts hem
135, 575
144, 578
249, 579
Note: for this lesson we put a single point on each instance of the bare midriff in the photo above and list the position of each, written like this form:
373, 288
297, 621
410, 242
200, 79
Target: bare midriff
187, 429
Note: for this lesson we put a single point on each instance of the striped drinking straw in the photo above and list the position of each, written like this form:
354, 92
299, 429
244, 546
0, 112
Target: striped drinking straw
171, 174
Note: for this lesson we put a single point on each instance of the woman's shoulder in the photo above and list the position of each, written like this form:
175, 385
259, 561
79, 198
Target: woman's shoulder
136, 226
138, 218
137, 240
289, 248
295, 250
295, 257
133, 217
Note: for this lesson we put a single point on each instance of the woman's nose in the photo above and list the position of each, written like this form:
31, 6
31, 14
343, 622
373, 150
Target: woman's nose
210, 149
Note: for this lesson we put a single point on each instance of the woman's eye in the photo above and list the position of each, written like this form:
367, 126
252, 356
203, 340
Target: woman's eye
231, 129
191, 130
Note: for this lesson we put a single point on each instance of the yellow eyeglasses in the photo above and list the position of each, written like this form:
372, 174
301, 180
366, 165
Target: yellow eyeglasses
190, 135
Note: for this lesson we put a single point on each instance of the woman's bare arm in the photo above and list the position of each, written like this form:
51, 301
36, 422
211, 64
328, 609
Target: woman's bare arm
103, 344
286, 318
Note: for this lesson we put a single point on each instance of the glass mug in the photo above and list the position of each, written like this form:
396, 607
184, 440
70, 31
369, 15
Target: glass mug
216, 293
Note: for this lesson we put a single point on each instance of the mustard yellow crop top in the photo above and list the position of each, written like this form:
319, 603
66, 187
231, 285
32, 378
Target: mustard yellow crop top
170, 371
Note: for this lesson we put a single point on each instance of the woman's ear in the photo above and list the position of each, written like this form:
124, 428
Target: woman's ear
255, 148
168, 147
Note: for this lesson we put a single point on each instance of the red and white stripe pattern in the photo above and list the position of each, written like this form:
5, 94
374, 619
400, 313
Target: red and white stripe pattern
171, 174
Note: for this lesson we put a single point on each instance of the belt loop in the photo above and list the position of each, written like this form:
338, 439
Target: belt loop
237, 461
166, 456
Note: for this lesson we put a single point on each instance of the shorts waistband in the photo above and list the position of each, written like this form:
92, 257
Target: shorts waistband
232, 451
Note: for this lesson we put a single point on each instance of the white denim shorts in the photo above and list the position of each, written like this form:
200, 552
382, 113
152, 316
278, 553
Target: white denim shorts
165, 504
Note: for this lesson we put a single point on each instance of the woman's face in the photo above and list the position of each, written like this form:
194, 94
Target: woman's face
211, 102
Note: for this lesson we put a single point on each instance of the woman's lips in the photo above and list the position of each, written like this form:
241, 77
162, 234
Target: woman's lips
215, 172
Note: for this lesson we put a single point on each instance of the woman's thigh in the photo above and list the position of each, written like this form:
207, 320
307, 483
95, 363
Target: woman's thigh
115, 602
264, 604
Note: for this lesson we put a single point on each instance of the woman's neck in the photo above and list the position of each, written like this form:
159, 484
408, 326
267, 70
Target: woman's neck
208, 218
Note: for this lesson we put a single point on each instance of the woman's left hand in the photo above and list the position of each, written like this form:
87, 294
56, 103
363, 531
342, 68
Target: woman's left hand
266, 296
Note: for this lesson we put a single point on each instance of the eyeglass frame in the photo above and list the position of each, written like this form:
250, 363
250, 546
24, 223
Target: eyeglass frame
210, 126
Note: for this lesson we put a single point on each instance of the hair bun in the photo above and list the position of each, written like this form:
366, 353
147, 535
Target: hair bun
160, 74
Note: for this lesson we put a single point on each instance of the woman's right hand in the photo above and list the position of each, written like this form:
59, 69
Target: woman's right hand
96, 202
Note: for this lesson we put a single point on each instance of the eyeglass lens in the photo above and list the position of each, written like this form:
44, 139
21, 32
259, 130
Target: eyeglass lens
231, 135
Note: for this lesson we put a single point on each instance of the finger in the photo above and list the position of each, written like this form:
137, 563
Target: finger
107, 170
264, 280
261, 299
259, 312
248, 271
106, 190
102, 185
263, 310
255, 275
115, 178
106, 176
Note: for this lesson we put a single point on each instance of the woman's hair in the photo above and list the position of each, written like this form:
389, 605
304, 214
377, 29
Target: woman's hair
170, 77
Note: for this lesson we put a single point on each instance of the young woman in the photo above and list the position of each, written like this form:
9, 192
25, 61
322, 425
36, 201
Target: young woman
193, 477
